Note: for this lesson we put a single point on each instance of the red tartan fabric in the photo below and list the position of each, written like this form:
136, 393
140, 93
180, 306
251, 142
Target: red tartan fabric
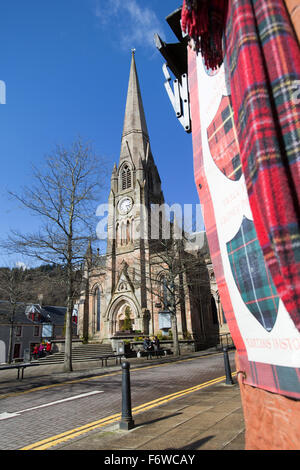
203, 21
263, 62
264, 66
274, 378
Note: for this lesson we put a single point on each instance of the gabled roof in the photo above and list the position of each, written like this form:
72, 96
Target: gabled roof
48, 313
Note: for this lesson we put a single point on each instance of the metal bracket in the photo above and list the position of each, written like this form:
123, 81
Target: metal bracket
179, 98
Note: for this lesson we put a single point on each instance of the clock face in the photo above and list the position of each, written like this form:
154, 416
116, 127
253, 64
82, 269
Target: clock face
125, 205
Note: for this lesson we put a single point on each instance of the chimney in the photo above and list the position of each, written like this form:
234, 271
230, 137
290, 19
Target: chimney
40, 299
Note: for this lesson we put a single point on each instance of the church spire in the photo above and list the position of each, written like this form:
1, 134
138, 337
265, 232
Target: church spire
134, 120
135, 133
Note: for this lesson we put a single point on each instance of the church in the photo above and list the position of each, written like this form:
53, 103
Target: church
126, 290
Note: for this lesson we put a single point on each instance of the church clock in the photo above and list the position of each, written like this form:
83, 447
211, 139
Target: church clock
125, 205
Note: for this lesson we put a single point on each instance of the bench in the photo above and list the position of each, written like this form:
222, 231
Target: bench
150, 354
21, 366
105, 358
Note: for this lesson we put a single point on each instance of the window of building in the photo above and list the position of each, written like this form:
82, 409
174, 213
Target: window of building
18, 331
164, 291
97, 309
126, 177
214, 311
36, 331
128, 232
17, 351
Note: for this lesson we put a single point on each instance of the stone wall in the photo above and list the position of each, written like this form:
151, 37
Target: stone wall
186, 346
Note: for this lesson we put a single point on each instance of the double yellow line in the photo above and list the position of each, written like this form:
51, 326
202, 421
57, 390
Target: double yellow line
94, 377
73, 433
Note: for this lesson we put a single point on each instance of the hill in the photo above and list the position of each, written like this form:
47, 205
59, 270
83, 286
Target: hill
44, 284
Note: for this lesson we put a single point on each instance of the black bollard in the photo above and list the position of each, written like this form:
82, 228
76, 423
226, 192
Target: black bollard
126, 422
229, 380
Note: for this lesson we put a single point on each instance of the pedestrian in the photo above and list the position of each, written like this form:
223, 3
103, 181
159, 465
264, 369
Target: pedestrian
35, 351
156, 343
41, 350
48, 348
147, 344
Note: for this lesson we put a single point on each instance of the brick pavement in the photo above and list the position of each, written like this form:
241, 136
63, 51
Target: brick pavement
210, 419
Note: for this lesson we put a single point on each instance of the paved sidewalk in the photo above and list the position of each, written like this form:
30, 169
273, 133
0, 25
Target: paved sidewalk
210, 418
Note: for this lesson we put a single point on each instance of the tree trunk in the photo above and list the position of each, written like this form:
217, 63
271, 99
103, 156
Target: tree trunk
11, 335
176, 348
10, 344
68, 335
68, 343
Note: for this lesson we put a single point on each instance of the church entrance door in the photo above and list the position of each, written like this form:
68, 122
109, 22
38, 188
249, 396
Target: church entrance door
123, 316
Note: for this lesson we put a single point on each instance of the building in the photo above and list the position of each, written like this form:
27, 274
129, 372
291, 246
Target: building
31, 325
121, 285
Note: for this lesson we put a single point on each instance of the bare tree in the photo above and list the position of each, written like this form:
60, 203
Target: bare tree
13, 288
173, 274
63, 195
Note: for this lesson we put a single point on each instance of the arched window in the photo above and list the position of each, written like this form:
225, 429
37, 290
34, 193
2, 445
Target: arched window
214, 311
126, 177
123, 233
164, 293
97, 310
128, 232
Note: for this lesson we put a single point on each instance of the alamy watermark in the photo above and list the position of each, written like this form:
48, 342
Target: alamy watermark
159, 222
2, 92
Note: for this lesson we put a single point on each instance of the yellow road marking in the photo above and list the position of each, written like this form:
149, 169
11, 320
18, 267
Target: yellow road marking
85, 379
71, 434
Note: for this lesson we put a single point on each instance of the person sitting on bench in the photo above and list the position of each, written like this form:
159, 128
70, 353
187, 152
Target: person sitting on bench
156, 344
147, 345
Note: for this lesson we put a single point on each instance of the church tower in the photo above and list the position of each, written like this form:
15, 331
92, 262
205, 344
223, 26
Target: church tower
135, 185
117, 290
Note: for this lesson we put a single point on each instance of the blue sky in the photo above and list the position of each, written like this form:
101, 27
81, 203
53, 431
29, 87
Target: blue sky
66, 65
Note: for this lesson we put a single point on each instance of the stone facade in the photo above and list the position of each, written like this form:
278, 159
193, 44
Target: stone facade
119, 285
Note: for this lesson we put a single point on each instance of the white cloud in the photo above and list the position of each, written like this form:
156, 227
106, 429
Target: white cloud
133, 24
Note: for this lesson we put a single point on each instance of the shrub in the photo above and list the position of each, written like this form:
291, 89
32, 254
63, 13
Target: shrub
127, 325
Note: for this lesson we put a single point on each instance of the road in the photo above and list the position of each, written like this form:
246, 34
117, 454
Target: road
43, 412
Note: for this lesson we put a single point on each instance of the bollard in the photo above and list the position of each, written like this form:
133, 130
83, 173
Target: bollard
126, 422
229, 380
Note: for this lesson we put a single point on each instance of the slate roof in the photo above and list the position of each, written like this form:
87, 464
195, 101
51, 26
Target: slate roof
49, 314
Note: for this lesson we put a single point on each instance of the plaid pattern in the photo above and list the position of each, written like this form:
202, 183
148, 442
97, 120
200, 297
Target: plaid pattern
264, 66
276, 379
251, 275
204, 193
223, 142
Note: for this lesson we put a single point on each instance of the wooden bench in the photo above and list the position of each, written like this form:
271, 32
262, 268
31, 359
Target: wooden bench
21, 366
105, 358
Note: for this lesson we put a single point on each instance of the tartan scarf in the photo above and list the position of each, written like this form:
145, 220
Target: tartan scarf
203, 21
262, 61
